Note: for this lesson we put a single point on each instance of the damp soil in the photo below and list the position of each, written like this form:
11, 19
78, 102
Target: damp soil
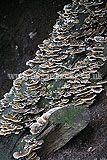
18, 20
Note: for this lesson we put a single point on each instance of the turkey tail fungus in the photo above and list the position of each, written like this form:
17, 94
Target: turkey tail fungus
51, 99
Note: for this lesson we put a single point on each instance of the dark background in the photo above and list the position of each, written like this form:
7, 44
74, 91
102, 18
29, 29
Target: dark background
17, 19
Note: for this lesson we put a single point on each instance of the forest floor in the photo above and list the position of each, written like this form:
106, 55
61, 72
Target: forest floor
19, 21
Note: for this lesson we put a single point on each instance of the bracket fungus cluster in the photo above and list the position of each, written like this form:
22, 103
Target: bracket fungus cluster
65, 70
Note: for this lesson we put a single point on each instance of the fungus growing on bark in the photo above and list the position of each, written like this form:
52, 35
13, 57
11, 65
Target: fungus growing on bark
74, 52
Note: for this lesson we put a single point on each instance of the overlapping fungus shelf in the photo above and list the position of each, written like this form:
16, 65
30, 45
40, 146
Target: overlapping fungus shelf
61, 73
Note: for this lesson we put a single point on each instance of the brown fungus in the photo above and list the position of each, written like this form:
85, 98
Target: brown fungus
74, 52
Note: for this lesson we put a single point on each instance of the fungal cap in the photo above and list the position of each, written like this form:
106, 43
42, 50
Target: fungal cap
18, 155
